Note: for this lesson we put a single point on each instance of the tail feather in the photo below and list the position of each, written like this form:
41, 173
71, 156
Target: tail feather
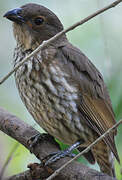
104, 158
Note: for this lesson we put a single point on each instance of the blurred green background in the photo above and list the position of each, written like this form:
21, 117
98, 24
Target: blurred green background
100, 39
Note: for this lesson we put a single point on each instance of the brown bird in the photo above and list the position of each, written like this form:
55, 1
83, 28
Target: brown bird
61, 88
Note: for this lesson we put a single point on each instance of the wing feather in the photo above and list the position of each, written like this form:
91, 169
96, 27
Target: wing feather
95, 103
98, 120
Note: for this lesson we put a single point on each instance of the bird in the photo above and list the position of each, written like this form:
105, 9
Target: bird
61, 88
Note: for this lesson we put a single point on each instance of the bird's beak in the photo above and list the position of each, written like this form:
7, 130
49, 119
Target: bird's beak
15, 15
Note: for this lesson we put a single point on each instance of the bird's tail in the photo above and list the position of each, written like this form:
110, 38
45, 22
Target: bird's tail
104, 158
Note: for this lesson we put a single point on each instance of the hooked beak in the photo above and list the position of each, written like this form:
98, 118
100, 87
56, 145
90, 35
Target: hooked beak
15, 15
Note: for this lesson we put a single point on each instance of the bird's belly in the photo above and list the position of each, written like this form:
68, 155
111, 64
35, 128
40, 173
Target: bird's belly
52, 103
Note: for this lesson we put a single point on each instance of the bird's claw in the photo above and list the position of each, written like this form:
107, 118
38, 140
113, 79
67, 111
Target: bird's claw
38, 138
34, 140
60, 154
53, 157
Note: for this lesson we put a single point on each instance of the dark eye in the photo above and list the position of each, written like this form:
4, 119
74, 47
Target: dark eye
38, 21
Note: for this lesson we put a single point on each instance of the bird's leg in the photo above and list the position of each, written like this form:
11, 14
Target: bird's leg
38, 138
33, 140
60, 154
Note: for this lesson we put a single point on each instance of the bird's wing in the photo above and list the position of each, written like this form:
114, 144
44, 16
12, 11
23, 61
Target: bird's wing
95, 103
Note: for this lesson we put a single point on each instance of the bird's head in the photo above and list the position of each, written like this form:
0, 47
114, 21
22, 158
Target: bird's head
33, 24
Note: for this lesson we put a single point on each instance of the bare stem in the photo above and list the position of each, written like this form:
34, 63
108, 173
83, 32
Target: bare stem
44, 44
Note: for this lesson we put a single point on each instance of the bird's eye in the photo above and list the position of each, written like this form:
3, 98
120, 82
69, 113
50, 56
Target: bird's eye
38, 21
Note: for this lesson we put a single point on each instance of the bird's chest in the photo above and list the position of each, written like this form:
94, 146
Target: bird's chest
48, 95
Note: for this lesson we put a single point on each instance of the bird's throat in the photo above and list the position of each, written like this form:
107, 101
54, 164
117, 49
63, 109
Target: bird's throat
24, 37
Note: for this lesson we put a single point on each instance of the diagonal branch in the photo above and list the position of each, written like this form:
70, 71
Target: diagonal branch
45, 43
21, 132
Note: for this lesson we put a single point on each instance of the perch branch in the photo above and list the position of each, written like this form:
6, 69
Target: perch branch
45, 43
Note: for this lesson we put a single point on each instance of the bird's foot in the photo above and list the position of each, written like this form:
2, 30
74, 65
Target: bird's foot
38, 138
34, 140
53, 157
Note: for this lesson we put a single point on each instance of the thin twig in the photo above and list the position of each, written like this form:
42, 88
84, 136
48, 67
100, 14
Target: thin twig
45, 43
9, 158
84, 151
